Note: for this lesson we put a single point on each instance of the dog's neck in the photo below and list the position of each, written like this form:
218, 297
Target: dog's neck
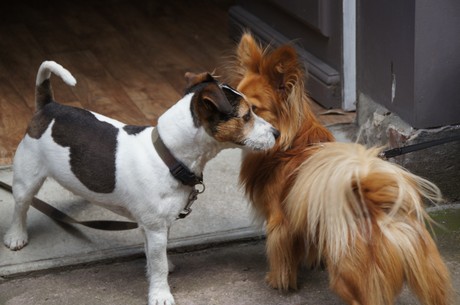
191, 145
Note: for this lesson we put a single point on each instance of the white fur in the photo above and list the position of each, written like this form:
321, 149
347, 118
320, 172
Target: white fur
145, 190
260, 137
44, 73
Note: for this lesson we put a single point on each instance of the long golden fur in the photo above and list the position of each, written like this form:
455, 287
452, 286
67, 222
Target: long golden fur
334, 202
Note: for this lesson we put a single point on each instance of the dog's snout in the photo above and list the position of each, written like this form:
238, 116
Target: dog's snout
276, 133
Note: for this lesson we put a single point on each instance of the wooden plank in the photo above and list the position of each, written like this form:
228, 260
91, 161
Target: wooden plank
203, 44
97, 90
146, 87
205, 26
153, 42
21, 56
14, 117
129, 61
20, 12
54, 36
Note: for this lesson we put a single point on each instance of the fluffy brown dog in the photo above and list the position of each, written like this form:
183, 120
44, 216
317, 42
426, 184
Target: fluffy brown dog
335, 202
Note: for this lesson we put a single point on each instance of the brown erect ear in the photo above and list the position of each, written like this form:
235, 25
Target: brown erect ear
193, 79
249, 53
282, 66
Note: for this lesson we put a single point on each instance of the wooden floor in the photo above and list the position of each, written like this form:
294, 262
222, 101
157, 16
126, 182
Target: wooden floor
128, 57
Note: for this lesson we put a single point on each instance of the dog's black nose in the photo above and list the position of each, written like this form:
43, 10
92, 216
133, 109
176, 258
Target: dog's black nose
276, 133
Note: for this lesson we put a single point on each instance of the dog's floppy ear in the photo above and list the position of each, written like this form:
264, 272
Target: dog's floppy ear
213, 95
193, 79
249, 53
283, 67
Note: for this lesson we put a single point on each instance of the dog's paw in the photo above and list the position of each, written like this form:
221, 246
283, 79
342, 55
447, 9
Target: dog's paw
15, 239
161, 298
277, 282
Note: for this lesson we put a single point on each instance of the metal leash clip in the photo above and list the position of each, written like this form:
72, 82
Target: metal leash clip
191, 199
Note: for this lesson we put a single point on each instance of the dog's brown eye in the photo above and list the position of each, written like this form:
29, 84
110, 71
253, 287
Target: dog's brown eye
254, 108
247, 116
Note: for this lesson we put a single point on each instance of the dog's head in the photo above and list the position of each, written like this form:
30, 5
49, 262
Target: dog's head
273, 82
226, 115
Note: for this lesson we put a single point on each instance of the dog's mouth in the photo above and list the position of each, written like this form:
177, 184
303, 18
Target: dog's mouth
258, 145
248, 144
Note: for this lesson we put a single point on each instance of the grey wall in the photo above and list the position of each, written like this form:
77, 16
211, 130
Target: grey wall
408, 58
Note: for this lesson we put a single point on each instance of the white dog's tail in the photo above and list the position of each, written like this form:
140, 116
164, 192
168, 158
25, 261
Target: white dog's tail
44, 92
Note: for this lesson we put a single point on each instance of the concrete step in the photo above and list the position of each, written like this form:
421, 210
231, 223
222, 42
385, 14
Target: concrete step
220, 214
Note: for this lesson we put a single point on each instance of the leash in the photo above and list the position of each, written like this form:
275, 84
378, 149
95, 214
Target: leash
59, 216
398, 151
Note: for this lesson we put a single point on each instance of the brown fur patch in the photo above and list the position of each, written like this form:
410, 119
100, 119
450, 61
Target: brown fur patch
38, 125
40, 122
43, 94
223, 113
92, 143
236, 128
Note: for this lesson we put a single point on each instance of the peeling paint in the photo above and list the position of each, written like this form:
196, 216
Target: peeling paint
393, 87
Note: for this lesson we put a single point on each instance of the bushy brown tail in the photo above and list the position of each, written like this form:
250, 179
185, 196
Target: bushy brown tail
359, 209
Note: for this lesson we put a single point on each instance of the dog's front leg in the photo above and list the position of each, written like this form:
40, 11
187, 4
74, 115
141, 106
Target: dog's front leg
285, 253
157, 266
171, 266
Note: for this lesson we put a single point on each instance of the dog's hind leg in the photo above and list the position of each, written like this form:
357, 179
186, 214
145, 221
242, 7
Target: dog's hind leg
426, 273
27, 180
369, 274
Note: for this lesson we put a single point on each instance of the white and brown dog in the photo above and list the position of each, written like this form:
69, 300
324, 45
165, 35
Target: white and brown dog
117, 166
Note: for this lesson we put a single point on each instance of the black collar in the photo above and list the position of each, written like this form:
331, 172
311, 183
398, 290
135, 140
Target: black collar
176, 168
